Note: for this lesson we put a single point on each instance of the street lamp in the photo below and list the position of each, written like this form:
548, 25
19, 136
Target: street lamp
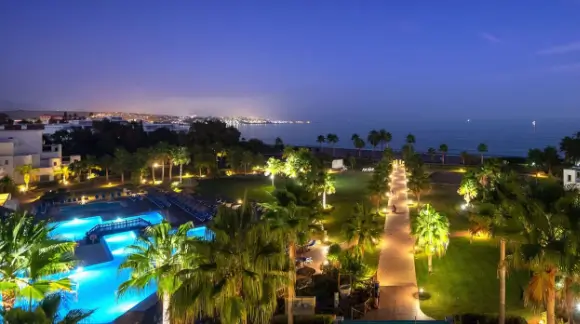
155, 165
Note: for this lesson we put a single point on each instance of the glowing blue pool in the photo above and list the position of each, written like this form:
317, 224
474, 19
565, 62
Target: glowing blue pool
97, 284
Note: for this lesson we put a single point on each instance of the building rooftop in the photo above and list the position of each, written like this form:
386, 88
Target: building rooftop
22, 127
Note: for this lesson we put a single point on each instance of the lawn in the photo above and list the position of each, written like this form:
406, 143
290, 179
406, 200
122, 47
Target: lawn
465, 280
258, 188
444, 198
350, 189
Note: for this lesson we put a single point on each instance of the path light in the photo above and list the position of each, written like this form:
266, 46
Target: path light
325, 262
155, 165
421, 290
463, 206
384, 210
240, 201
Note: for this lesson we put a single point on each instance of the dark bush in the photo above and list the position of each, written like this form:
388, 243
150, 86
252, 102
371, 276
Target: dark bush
489, 319
304, 319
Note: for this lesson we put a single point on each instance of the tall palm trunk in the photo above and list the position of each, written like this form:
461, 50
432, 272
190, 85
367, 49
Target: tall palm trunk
107, 174
333, 154
359, 152
180, 173
162, 171
166, 301
291, 292
324, 199
153, 173
502, 276
430, 262
443, 158
569, 298
122, 177
481, 158
170, 170
551, 298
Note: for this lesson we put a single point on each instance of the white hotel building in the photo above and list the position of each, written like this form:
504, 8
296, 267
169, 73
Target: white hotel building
23, 144
572, 178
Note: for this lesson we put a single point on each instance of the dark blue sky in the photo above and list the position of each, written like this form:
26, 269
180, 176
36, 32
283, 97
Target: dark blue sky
302, 59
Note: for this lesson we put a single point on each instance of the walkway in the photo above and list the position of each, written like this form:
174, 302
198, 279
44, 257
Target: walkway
396, 272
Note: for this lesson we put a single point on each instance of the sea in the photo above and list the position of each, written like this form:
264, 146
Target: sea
502, 137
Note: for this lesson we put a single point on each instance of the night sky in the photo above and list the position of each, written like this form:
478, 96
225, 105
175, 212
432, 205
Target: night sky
291, 58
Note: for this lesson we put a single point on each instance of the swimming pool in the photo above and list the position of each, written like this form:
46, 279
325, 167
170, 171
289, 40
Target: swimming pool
76, 229
96, 285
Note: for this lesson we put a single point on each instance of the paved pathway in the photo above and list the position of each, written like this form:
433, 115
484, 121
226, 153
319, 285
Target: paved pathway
396, 272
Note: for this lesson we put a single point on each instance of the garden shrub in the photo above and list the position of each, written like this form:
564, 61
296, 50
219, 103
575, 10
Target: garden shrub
305, 319
488, 319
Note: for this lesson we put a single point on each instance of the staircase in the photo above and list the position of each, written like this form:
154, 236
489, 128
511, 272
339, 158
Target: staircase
115, 227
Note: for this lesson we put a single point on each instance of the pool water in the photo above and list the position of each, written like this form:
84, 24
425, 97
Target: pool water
96, 285
76, 229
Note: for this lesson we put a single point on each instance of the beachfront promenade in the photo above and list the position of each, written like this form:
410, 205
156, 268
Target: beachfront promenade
396, 272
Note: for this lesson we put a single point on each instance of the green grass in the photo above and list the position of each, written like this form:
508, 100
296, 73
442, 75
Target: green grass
444, 198
350, 189
257, 188
465, 280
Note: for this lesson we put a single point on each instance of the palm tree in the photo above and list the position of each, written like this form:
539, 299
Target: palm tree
332, 139
156, 257
106, 162
357, 142
431, 152
122, 162
464, 157
388, 137
410, 139
418, 182
384, 138
63, 170
89, 164
247, 160
443, 149
468, 189
171, 154
431, 230
481, 148
363, 229
333, 256
180, 156
26, 172
324, 185
46, 312
320, 140
243, 266
290, 222
273, 168
162, 153
373, 139
278, 143
29, 258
